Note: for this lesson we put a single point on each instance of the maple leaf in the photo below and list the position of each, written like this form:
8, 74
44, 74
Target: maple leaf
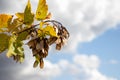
5, 20
4, 38
42, 10
20, 15
28, 15
15, 49
47, 30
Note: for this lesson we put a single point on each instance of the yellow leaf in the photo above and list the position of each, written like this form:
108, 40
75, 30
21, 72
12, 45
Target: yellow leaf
11, 47
46, 30
42, 10
49, 30
5, 20
28, 15
20, 15
15, 49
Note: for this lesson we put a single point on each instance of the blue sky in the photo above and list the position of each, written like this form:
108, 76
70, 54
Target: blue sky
106, 46
92, 51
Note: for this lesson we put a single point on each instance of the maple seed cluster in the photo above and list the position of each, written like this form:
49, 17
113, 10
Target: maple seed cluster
40, 44
40, 36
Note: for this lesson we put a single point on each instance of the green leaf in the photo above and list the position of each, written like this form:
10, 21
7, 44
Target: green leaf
42, 10
4, 38
23, 36
15, 49
28, 15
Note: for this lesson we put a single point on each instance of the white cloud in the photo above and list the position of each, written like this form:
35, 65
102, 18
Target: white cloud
82, 67
85, 61
86, 19
47, 73
12, 6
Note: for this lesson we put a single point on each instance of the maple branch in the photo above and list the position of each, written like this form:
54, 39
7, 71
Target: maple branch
33, 26
54, 22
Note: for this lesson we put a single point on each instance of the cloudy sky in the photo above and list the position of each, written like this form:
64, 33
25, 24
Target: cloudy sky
92, 52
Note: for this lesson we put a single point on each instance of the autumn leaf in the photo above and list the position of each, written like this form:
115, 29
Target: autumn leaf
28, 15
49, 30
42, 10
15, 49
23, 36
15, 25
20, 15
11, 47
4, 38
5, 20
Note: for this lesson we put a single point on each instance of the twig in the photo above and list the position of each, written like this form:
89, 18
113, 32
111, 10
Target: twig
53, 21
28, 28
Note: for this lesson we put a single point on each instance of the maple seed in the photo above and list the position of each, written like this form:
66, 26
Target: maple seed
35, 64
41, 63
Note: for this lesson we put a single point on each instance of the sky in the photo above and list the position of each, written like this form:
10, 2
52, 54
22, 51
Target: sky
92, 51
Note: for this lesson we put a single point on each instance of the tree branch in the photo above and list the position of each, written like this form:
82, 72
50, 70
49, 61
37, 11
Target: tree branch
28, 28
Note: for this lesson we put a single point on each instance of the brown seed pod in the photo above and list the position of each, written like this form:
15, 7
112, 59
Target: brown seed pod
51, 40
34, 51
41, 63
35, 64
40, 45
58, 46
31, 43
